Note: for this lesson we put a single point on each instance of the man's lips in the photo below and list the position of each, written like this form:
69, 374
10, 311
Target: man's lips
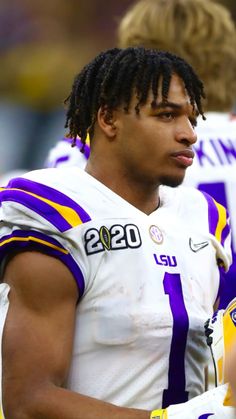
184, 157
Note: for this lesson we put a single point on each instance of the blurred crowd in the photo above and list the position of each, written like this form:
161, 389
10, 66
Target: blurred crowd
42, 46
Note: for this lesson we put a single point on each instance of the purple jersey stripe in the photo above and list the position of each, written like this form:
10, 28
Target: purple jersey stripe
213, 215
225, 233
221, 282
217, 218
79, 145
44, 191
36, 205
20, 240
176, 391
61, 160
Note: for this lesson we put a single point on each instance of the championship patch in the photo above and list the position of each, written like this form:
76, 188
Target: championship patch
105, 237
116, 237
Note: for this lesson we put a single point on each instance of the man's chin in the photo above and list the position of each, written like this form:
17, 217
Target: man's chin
171, 181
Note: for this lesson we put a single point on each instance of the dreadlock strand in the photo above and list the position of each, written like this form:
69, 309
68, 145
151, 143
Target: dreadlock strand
155, 81
147, 80
166, 72
113, 82
141, 60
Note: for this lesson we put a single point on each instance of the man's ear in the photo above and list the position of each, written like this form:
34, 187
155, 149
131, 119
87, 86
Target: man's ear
106, 122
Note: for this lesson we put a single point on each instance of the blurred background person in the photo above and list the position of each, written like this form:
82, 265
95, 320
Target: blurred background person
63, 154
230, 4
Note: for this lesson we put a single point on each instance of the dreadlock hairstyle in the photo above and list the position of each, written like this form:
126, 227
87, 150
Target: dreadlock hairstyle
111, 79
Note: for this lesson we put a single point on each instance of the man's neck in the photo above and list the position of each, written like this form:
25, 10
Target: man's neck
145, 198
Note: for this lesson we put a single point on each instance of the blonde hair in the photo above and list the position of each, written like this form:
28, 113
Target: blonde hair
200, 31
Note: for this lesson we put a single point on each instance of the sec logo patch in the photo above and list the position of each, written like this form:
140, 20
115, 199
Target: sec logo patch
156, 234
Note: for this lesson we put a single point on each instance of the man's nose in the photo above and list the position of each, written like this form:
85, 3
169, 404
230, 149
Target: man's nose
187, 133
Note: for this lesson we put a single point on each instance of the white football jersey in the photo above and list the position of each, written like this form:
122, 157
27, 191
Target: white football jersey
63, 154
147, 283
214, 171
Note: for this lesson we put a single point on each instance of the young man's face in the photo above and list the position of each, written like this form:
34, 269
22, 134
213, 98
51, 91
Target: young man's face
156, 145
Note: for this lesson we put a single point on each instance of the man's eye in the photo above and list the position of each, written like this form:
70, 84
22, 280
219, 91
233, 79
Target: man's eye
166, 115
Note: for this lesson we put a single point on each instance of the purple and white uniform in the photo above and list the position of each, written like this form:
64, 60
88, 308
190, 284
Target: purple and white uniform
147, 283
214, 171
62, 154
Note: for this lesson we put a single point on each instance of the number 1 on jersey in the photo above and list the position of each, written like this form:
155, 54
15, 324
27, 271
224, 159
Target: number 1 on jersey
176, 393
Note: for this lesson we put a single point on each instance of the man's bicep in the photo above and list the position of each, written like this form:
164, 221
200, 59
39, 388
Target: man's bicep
39, 328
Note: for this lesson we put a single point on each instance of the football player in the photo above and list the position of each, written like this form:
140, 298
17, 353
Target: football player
109, 273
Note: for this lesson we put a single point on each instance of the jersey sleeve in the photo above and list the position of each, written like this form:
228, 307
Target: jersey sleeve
220, 232
39, 217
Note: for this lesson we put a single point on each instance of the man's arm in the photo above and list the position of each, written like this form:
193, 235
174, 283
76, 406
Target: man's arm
38, 341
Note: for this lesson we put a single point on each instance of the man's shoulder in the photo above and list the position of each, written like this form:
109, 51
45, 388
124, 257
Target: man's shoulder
48, 182
64, 197
180, 196
54, 176
196, 207
200, 212
67, 180
52, 195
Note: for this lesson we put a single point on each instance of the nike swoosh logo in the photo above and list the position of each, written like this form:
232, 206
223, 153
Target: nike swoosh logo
195, 247
206, 415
